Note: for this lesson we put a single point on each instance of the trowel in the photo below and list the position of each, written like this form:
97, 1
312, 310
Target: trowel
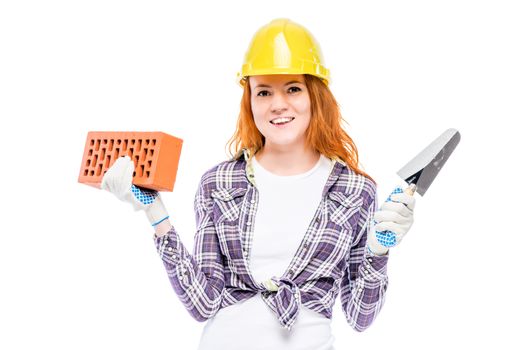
420, 172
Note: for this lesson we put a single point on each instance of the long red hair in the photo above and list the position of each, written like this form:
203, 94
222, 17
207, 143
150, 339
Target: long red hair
325, 133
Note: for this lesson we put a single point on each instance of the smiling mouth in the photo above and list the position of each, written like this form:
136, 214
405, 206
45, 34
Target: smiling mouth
284, 122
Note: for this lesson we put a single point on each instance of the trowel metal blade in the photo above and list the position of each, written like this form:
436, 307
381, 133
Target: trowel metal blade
423, 169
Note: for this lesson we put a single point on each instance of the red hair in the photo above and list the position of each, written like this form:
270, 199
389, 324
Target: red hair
325, 133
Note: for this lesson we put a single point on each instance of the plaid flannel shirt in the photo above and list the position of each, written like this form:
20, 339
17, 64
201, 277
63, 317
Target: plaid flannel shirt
332, 258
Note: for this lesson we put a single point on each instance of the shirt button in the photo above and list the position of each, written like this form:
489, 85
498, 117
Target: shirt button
291, 272
169, 248
369, 259
249, 223
252, 201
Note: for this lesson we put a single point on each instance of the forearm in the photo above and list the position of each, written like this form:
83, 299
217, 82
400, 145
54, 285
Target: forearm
370, 300
193, 287
364, 297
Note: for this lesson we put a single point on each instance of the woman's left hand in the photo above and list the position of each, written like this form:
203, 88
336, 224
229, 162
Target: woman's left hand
391, 222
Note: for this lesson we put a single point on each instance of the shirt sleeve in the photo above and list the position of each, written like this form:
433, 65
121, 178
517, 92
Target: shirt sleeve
197, 279
365, 280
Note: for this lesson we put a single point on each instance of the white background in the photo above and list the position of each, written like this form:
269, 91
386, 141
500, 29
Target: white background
78, 268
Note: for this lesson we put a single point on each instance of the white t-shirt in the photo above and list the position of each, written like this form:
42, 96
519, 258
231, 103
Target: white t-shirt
286, 206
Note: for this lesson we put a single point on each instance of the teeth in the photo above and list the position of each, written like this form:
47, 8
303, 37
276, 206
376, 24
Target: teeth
281, 120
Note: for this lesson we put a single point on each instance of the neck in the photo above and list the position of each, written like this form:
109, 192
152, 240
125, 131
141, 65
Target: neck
287, 161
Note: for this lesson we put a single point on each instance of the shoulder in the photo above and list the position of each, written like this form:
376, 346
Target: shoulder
228, 174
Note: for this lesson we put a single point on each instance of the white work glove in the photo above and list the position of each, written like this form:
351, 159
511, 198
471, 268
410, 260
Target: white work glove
391, 222
118, 180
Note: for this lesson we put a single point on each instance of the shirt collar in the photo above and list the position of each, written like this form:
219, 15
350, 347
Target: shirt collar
251, 175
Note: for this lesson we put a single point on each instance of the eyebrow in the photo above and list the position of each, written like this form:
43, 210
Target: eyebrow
288, 83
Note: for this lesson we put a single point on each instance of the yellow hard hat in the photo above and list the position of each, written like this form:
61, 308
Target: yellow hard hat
283, 47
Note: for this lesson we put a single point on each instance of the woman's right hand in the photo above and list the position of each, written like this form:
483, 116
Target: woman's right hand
118, 180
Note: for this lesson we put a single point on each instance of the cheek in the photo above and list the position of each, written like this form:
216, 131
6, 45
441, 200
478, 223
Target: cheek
303, 107
303, 104
258, 110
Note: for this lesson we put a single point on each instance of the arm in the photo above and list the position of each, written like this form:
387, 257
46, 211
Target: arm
197, 279
364, 283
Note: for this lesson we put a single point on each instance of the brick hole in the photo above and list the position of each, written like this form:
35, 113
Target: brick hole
111, 142
143, 154
149, 163
95, 160
99, 169
108, 160
117, 151
92, 172
147, 142
97, 145
139, 147
132, 141
86, 172
141, 170
154, 141
88, 163
134, 173
125, 145
90, 152
136, 160
147, 173
103, 153
151, 152
105, 142
92, 143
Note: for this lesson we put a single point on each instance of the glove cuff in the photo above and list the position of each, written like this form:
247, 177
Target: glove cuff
156, 212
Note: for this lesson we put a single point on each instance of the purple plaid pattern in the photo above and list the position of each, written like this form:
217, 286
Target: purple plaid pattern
330, 260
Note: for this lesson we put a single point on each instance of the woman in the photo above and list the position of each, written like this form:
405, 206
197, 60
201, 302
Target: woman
286, 224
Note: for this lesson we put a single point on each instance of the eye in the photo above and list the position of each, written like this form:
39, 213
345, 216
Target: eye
263, 93
294, 89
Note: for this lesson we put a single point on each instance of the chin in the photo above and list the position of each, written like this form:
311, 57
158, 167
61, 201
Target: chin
283, 142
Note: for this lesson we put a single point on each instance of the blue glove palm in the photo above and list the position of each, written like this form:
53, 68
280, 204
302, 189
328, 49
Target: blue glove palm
392, 222
386, 237
143, 195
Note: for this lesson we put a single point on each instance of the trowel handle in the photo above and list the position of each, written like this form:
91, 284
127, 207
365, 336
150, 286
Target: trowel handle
410, 189
388, 238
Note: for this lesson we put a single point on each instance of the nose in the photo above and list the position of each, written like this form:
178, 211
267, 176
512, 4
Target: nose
279, 103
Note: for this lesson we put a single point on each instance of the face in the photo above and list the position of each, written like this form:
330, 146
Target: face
280, 96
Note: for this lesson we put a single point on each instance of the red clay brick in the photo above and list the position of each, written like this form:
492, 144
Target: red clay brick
155, 154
